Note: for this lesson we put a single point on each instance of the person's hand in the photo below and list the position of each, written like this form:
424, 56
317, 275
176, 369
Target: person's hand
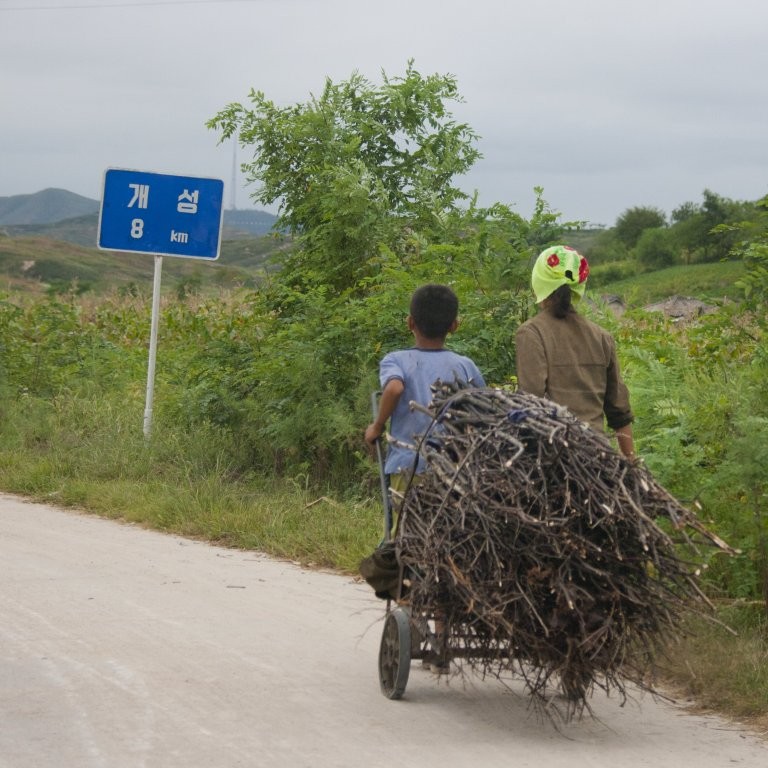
372, 433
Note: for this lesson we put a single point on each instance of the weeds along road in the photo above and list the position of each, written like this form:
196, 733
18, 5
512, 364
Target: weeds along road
126, 647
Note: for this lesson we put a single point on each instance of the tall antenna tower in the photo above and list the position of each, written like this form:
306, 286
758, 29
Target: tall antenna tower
233, 187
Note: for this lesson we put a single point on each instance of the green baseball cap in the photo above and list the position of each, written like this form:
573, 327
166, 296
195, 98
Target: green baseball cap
556, 266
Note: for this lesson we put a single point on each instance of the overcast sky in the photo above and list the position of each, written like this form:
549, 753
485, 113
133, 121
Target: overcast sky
606, 104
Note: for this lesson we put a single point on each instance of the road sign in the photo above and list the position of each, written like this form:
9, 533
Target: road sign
161, 214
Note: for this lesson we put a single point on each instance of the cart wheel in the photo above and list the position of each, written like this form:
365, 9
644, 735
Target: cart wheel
395, 654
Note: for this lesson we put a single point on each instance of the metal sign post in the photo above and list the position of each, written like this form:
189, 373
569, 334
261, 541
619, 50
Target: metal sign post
153, 347
163, 215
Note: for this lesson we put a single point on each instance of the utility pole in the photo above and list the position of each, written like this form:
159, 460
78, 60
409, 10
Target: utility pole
233, 186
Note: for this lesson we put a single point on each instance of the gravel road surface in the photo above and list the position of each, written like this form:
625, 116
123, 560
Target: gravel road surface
123, 647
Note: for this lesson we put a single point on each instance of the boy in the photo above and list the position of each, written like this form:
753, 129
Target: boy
407, 375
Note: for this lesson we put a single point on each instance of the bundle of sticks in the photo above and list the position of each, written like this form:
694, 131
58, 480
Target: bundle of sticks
541, 549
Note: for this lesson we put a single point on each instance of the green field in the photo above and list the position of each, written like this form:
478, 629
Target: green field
706, 282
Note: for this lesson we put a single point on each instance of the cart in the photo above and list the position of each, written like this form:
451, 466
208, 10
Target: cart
404, 637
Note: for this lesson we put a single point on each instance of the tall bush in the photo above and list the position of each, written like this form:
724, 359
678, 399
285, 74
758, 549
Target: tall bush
702, 425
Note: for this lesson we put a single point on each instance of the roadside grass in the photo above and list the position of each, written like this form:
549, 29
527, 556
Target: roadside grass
279, 517
715, 671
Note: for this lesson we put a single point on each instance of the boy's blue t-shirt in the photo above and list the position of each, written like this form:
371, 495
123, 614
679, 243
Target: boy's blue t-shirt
418, 369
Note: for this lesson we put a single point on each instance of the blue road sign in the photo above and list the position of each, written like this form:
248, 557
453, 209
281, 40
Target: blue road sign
161, 214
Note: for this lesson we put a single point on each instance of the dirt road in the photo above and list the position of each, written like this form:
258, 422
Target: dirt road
121, 647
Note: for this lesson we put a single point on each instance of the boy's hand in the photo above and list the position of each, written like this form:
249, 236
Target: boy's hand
372, 433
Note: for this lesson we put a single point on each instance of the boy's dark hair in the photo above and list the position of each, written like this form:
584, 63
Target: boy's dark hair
433, 309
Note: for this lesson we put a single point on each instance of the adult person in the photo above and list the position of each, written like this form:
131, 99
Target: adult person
563, 356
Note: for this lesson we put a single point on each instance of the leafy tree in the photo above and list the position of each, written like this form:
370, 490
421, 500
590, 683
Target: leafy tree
685, 212
706, 232
655, 249
751, 245
634, 221
355, 167
717, 211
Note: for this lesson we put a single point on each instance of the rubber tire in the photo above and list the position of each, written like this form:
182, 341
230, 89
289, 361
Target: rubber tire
395, 654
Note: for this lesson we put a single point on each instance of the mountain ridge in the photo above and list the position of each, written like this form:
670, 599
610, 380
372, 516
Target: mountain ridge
60, 214
45, 207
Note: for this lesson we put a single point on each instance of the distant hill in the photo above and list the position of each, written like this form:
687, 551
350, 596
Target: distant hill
245, 222
62, 215
80, 230
45, 207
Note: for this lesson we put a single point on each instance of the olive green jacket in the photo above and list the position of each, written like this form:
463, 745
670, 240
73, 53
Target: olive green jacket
572, 361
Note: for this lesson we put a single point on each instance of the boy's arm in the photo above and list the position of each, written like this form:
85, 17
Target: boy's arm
388, 401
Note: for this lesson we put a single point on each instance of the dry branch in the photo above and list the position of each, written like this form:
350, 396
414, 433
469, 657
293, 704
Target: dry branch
548, 553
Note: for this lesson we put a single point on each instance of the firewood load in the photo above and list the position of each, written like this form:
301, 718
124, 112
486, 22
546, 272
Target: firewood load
548, 553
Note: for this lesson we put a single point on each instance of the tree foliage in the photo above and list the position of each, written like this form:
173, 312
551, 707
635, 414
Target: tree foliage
358, 166
655, 249
634, 221
697, 233
703, 233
